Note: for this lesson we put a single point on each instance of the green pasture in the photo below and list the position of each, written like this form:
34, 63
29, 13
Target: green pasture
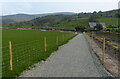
28, 48
110, 20
70, 25
0, 53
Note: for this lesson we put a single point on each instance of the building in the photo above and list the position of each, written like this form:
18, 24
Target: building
93, 25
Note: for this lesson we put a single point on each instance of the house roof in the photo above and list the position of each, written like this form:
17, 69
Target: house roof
93, 24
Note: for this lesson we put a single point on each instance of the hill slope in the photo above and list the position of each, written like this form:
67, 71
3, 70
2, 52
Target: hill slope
27, 17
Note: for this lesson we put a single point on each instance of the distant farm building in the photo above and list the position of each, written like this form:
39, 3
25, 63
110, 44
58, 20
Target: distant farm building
111, 26
94, 24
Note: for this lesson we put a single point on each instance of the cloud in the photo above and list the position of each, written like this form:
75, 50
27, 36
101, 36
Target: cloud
27, 5
0, 9
15, 7
49, 7
59, 0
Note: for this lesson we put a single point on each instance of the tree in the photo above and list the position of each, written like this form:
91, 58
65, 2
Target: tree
98, 27
94, 12
80, 28
117, 15
100, 12
93, 18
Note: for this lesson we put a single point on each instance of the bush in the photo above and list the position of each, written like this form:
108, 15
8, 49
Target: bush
80, 28
98, 27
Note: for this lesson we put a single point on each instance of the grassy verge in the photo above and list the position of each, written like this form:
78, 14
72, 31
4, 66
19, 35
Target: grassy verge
0, 53
110, 36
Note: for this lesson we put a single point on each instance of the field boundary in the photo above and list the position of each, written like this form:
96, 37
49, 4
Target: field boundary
47, 59
110, 63
110, 48
24, 55
41, 29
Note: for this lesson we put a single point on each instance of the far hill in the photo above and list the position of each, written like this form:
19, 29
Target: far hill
28, 17
46, 21
17, 18
67, 20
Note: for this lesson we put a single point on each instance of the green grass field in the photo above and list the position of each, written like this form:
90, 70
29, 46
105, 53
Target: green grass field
112, 21
0, 53
111, 36
111, 29
28, 48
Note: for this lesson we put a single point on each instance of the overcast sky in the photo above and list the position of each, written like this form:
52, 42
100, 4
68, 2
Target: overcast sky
49, 6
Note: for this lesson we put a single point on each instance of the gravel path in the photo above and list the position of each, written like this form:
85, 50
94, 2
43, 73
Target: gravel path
71, 60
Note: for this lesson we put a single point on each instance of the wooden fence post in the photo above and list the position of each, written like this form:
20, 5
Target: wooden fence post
10, 51
45, 46
92, 35
103, 51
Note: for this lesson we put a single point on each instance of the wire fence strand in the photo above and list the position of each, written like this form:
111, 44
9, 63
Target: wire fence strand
28, 53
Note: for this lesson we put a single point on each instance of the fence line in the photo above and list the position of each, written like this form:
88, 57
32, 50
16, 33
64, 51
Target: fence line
17, 57
103, 51
10, 50
21, 43
95, 58
110, 49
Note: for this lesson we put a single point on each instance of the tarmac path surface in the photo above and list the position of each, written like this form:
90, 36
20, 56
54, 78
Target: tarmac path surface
73, 59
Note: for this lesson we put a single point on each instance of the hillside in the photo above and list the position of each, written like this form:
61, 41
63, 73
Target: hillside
46, 21
66, 20
109, 20
17, 18
27, 17
70, 25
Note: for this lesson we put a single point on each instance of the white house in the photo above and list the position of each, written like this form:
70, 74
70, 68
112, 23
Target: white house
93, 24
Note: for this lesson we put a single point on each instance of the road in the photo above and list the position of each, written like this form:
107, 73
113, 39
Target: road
73, 59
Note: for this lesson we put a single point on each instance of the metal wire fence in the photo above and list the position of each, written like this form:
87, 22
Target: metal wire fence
96, 60
22, 55
0, 62
107, 55
26, 54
